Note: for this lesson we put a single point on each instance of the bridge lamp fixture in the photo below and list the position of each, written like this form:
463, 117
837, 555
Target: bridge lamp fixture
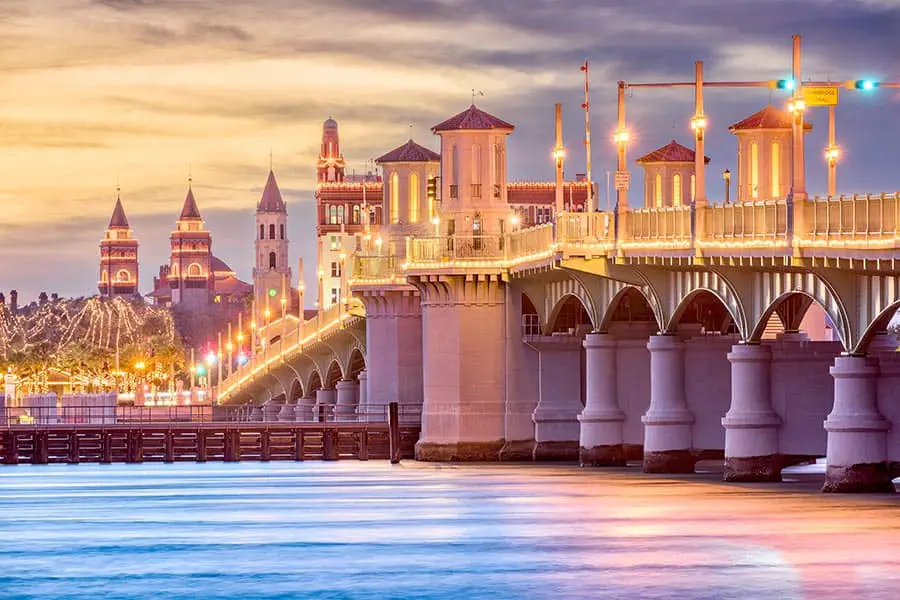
797, 105
229, 346
514, 220
211, 358
698, 122
267, 314
140, 365
321, 273
343, 256
559, 154
240, 337
832, 154
621, 137
378, 241
242, 359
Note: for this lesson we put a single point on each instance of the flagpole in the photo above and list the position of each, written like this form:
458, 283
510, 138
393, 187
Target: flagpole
590, 207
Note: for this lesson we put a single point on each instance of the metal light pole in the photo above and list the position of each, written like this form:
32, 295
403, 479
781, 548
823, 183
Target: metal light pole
726, 175
698, 124
832, 154
591, 204
798, 105
559, 154
621, 139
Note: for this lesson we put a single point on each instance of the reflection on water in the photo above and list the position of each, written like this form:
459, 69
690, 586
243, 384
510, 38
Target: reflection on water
369, 530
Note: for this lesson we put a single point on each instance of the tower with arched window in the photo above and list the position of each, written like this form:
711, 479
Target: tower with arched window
118, 257
190, 277
764, 154
272, 273
407, 170
669, 176
473, 173
331, 164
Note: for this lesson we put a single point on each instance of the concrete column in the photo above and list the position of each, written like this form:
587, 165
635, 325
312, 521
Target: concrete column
363, 404
346, 400
522, 385
556, 426
857, 433
751, 424
667, 423
304, 410
602, 437
327, 399
464, 352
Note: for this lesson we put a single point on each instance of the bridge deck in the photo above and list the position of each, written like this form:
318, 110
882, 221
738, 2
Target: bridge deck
200, 442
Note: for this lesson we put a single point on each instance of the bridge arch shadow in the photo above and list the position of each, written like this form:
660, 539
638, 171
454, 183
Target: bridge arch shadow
790, 309
629, 305
708, 309
333, 375
570, 315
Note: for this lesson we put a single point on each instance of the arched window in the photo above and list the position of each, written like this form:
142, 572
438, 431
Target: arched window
341, 214
271, 260
658, 191
281, 231
332, 214
754, 170
195, 270
103, 276
414, 198
262, 231
356, 214
123, 276
395, 197
676, 189
272, 231
776, 170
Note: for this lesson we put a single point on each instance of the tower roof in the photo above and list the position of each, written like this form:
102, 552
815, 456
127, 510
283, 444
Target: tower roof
767, 118
329, 124
409, 152
671, 152
190, 212
118, 219
472, 118
271, 200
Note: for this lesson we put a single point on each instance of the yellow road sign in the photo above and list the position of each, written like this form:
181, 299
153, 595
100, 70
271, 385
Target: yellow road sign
820, 96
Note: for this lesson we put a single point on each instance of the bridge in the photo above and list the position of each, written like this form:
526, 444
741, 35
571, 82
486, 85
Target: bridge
668, 306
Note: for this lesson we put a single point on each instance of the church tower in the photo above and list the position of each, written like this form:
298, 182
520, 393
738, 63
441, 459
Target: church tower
272, 274
189, 276
118, 257
331, 165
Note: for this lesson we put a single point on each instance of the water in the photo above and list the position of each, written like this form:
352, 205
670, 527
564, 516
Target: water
369, 530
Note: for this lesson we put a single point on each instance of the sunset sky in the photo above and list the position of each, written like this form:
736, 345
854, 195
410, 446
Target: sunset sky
141, 91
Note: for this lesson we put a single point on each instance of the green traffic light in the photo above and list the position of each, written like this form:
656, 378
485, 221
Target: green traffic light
866, 85
786, 84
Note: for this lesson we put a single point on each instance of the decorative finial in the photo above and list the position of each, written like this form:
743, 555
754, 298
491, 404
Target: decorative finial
271, 161
118, 188
190, 175
410, 131
476, 93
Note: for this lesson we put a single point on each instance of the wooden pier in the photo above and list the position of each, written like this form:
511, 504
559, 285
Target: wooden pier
200, 442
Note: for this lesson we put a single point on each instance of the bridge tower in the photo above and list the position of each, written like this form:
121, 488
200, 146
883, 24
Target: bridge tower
190, 277
118, 257
272, 273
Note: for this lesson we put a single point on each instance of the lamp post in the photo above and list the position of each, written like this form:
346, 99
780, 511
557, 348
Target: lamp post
698, 124
621, 139
559, 156
726, 175
832, 155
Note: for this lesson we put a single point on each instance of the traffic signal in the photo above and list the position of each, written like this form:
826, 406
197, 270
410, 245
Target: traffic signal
864, 85
432, 189
783, 84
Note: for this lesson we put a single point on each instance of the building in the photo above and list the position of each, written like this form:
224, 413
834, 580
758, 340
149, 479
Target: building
118, 257
272, 273
669, 178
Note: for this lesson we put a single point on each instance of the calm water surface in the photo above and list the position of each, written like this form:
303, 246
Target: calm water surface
369, 530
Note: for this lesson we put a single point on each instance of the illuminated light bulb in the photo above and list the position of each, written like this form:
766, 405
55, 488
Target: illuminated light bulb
559, 153
698, 122
621, 136
514, 220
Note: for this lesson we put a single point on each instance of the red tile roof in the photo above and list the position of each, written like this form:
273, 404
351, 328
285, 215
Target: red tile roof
671, 152
767, 118
190, 211
472, 118
118, 220
409, 152
544, 193
217, 265
271, 200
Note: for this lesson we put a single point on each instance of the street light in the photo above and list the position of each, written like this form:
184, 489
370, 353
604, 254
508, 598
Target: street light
726, 175
621, 136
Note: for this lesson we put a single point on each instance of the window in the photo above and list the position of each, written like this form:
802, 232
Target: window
776, 170
414, 198
332, 215
334, 295
358, 243
271, 260
658, 191
334, 242
195, 270
281, 231
356, 214
395, 198
476, 163
123, 276
340, 214
103, 276
476, 190
496, 190
262, 231
272, 231
335, 269
676, 189
454, 191
754, 170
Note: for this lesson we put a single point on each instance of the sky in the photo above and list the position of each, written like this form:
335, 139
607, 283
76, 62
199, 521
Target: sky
145, 92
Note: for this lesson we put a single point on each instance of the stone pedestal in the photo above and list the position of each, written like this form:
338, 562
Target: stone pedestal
345, 408
556, 428
857, 433
288, 413
256, 414
464, 339
304, 410
325, 401
522, 384
751, 424
270, 410
601, 437
362, 405
667, 423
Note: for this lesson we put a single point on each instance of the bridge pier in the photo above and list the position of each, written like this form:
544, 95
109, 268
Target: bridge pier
325, 400
857, 432
668, 421
303, 413
522, 384
601, 440
751, 424
362, 404
464, 346
345, 393
556, 429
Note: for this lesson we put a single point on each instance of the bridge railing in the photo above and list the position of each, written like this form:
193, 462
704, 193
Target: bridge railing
428, 250
856, 218
531, 241
671, 224
585, 229
376, 267
765, 222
